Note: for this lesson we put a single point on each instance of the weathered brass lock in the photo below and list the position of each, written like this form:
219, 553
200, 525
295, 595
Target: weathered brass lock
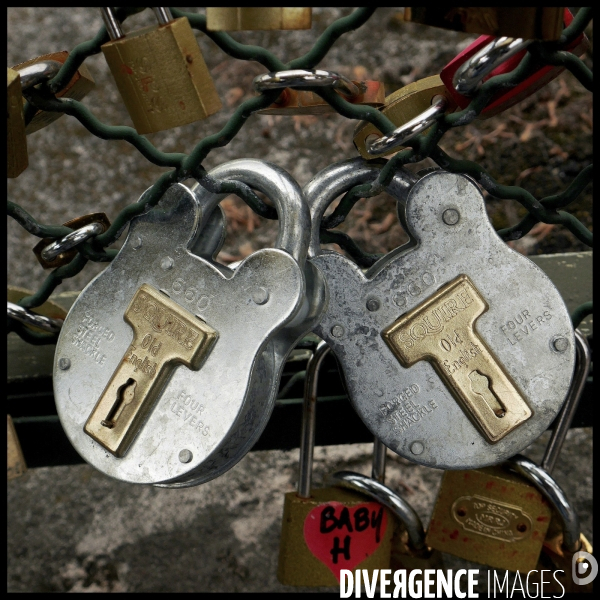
15, 461
164, 335
401, 107
160, 73
16, 142
529, 22
489, 516
326, 530
77, 88
246, 19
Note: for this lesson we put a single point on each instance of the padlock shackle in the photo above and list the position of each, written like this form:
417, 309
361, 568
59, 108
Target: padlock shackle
340, 177
37, 73
400, 508
279, 186
548, 487
309, 418
469, 76
379, 460
163, 14
112, 24
564, 419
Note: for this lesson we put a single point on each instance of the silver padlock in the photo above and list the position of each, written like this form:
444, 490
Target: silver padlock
167, 367
457, 351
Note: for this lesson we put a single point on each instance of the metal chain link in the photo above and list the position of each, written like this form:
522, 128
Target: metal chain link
187, 166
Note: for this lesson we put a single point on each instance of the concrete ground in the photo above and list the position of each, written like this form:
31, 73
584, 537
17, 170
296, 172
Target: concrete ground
72, 528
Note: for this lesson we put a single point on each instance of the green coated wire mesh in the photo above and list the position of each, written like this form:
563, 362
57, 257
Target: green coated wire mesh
550, 209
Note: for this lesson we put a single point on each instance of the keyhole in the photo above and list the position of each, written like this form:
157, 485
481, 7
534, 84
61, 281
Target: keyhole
125, 395
480, 384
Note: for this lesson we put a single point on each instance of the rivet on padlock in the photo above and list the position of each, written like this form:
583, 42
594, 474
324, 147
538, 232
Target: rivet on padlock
409, 550
530, 22
495, 517
251, 19
52, 254
160, 73
487, 57
299, 102
470, 399
216, 413
328, 529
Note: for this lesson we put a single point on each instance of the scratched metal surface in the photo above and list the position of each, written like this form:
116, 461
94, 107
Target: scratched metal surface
443, 436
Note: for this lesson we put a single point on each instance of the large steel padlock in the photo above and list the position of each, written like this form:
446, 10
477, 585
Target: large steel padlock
167, 366
457, 352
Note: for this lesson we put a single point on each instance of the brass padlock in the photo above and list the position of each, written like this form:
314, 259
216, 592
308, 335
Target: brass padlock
15, 461
499, 517
529, 22
64, 251
76, 89
160, 73
326, 530
16, 142
402, 107
247, 19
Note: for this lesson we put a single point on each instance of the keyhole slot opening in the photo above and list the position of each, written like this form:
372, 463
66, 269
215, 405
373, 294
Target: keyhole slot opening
125, 395
481, 384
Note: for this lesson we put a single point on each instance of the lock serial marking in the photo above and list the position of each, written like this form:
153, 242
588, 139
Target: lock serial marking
164, 335
441, 331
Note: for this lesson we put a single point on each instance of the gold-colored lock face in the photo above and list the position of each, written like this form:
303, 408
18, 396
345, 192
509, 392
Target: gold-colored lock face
15, 461
247, 19
402, 106
529, 22
333, 529
80, 85
441, 330
162, 77
489, 516
66, 257
16, 142
164, 335
299, 102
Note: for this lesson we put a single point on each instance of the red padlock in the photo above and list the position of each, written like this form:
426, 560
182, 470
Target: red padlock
509, 97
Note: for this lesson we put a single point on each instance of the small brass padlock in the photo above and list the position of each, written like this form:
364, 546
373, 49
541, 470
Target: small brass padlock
529, 22
160, 73
16, 142
77, 88
326, 530
247, 19
15, 461
401, 107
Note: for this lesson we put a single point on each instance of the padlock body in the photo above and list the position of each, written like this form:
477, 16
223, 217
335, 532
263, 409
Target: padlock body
76, 89
16, 142
333, 529
162, 76
400, 107
246, 18
489, 516
301, 102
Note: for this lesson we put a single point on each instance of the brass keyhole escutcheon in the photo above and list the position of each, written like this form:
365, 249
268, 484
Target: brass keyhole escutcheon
441, 330
165, 335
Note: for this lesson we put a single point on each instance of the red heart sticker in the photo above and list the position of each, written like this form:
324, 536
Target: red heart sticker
342, 537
